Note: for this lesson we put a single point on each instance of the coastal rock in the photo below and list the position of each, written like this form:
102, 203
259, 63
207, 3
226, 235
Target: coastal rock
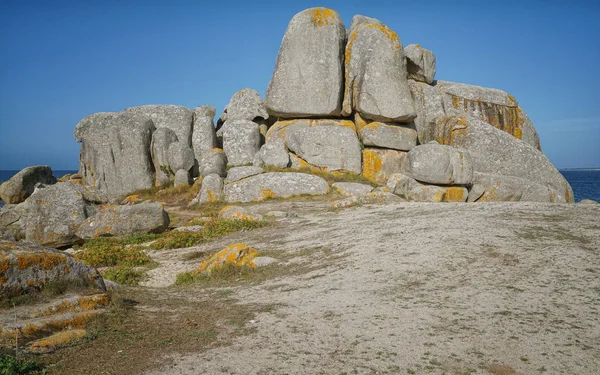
489, 187
420, 63
175, 117
308, 80
374, 197
146, 217
393, 136
183, 178
376, 83
379, 164
588, 201
245, 104
274, 185
211, 189
204, 137
439, 164
274, 154
412, 190
21, 185
162, 138
115, 153
181, 156
239, 255
496, 152
27, 268
213, 161
239, 213
332, 145
352, 188
238, 173
241, 141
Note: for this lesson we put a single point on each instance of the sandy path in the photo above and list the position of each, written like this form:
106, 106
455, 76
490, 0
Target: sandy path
493, 288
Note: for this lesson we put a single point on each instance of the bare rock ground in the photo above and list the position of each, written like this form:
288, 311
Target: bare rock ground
417, 288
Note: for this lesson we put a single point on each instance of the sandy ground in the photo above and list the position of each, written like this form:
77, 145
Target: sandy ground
417, 288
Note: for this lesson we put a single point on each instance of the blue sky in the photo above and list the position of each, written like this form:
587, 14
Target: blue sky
62, 60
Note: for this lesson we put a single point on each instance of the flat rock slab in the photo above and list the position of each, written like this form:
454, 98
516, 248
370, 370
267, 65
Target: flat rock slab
238, 173
352, 188
275, 185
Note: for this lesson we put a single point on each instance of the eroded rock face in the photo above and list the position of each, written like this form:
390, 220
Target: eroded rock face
204, 137
376, 76
439, 164
273, 153
147, 217
241, 141
352, 188
238, 254
21, 185
420, 63
175, 117
213, 161
181, 156
308, 80
238, 173
380, 164
496, 152
25, 268
239, 213
211, 189
274, 184
245, 104
183, 178
413, 190
162, 139
394, 136
115, 152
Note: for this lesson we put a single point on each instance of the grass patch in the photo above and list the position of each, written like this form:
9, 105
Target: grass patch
211, 209
330, 177
125, 274
11, 365
49, 291
226, 274
170, 194
212, 229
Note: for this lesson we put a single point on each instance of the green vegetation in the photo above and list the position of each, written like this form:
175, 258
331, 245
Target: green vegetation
11, 365
125, 274
225, 275
49, 291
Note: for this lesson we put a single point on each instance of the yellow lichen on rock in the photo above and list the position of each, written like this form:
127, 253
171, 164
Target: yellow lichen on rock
455, 194
371, 164
238, 213
323, 16
237, 254
267, 194
57, 340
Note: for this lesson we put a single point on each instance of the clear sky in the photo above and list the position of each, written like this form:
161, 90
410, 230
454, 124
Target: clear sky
62, 60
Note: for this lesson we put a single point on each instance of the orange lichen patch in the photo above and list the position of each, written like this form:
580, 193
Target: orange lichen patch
568, 196
45, 261
233, 213
267, 194
56, 341
455, 194
359, 121
390, 34
86, 303
323, 16
512, 101
132, 199
451, 130
372, 164
237, 254
4, 264
299, 163
216, 149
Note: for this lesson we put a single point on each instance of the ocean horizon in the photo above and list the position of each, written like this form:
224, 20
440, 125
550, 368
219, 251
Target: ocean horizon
584, 181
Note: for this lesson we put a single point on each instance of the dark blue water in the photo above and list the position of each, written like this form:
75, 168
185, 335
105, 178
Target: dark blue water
585, 183
6, 175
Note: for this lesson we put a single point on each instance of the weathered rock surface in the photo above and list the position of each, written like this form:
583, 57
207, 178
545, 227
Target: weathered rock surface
420, 63
115, 152
274, 185
25, 268
379, 164
241, 141
273, 153
308, 80
238, 254
245, 104
439, 164
211, 189
376, 83
147, 217
238, 173
239, 213
352, 188
175, 117
162, 138
412, 190
588, 201
496, 152
489, 187
21, 185
394, 136
332, 145
495, 107
204, 137
183, 178
374, 197
213, 161
181, 156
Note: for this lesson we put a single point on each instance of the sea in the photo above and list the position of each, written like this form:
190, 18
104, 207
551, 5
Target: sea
585, 182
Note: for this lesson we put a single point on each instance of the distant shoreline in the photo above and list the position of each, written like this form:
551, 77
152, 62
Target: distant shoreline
578, 169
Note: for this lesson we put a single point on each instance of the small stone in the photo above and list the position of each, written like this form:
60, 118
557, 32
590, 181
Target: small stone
238, 254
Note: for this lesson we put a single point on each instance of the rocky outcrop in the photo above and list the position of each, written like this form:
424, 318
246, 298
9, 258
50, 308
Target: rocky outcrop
175, 117
27, 268
238, 173
420, 63
239, 255
241, 141
183, 178
211, 189
380, 164
376, 83
162, 139
352, 188
204, 137
239, 213
308, 80
181, 156
413, 190
274, 154
245, 104
115, 152
213, 161
21, 185
439, 164
274, 185
393, 136
145, 217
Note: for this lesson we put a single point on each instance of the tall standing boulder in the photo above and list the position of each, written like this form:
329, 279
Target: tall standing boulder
245, 104
181, 156
376, 75
420, 63
204, 137
21, 185
162, 139
241, 141
115, 152
308, 80
175, 117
